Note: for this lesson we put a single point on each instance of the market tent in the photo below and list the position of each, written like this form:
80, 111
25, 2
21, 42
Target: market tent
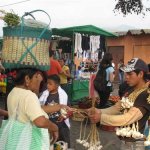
86, 29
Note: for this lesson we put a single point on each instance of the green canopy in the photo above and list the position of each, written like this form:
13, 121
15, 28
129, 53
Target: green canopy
86, 29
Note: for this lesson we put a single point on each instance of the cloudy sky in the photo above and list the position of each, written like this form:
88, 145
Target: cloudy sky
66, 13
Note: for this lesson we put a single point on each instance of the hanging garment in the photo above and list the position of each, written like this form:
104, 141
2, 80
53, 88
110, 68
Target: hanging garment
78, 41
102, 44
85, 43
94, 43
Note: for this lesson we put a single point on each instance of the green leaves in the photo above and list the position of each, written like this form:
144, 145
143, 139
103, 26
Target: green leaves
11, 19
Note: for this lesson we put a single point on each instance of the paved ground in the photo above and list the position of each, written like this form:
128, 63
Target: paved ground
108, 139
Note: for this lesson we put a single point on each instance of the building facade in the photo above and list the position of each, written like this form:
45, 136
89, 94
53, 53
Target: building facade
133, 43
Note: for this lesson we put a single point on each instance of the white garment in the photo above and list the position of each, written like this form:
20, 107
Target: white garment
78, 43
63, 99
94, 43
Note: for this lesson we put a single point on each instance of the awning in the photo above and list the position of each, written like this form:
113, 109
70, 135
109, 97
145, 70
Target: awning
86, 29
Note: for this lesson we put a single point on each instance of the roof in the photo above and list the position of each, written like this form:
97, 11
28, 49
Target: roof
86, 29
133, 32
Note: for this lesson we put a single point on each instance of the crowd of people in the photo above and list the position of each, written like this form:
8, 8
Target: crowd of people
37, 99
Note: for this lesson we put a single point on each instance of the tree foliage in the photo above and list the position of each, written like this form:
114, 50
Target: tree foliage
129, 6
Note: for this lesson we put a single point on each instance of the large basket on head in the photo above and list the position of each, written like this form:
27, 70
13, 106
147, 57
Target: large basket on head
26, 46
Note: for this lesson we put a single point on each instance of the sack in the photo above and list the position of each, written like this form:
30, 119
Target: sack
100, 82
15, 135
61, 145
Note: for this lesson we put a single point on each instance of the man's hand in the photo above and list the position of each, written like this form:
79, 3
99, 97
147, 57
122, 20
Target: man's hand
94, 115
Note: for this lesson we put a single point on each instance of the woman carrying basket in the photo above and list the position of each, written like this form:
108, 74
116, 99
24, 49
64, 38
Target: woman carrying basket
27, 125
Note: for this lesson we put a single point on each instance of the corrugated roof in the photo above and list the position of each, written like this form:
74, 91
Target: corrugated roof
133, 32
147, 31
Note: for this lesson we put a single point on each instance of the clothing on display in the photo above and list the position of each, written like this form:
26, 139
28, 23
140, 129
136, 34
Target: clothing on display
102, 44
78, 41
65, 45
53, 44
94, 43
85, 43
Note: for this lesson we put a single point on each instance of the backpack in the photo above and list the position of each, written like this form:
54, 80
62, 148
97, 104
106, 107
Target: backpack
100, 82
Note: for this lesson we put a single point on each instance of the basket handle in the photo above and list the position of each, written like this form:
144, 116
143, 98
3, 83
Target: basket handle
28, 49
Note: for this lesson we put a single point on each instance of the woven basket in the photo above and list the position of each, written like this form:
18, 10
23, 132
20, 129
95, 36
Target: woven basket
26, 46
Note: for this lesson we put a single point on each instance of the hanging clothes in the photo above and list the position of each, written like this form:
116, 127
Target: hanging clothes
65, 45
102, 44
85, 42
94, 43
78, 41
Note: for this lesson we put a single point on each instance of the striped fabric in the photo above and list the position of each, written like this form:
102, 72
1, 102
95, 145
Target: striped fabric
15, 135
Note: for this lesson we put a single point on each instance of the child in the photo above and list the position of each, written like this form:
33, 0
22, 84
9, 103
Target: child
55, 94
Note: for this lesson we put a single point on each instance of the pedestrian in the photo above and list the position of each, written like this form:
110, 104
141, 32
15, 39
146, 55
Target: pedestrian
65, 75
120, 72
28, 124
52, 96
55, 67
133, 117
103, 80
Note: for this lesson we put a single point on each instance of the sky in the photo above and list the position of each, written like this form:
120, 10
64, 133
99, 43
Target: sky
65, 13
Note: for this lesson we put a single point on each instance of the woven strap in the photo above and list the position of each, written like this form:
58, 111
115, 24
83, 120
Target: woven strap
28, 49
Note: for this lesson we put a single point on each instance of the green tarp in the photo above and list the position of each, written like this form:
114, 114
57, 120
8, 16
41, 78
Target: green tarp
87, 29
80, 89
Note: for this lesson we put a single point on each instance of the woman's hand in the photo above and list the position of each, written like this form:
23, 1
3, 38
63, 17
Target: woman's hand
53, 130
55, 136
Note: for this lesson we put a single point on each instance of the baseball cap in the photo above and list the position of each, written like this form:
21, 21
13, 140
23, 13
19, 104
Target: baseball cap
134, 64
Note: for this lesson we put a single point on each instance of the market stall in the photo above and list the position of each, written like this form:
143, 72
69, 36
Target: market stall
87, 44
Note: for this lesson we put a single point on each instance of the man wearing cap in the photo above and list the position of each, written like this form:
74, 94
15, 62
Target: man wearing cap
132, 112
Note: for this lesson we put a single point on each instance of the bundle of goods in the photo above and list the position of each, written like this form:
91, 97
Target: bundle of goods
79, 115
26, 42
92, 141
131, 130
61, 145
60, 115
86, 103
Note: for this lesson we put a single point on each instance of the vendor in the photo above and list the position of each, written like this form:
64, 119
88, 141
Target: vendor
132, 112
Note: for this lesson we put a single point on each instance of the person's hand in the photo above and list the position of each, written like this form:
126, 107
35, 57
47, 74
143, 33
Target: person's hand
94, 115
55, 136
65, 107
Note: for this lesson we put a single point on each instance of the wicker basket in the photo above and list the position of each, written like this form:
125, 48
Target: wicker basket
26, 46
